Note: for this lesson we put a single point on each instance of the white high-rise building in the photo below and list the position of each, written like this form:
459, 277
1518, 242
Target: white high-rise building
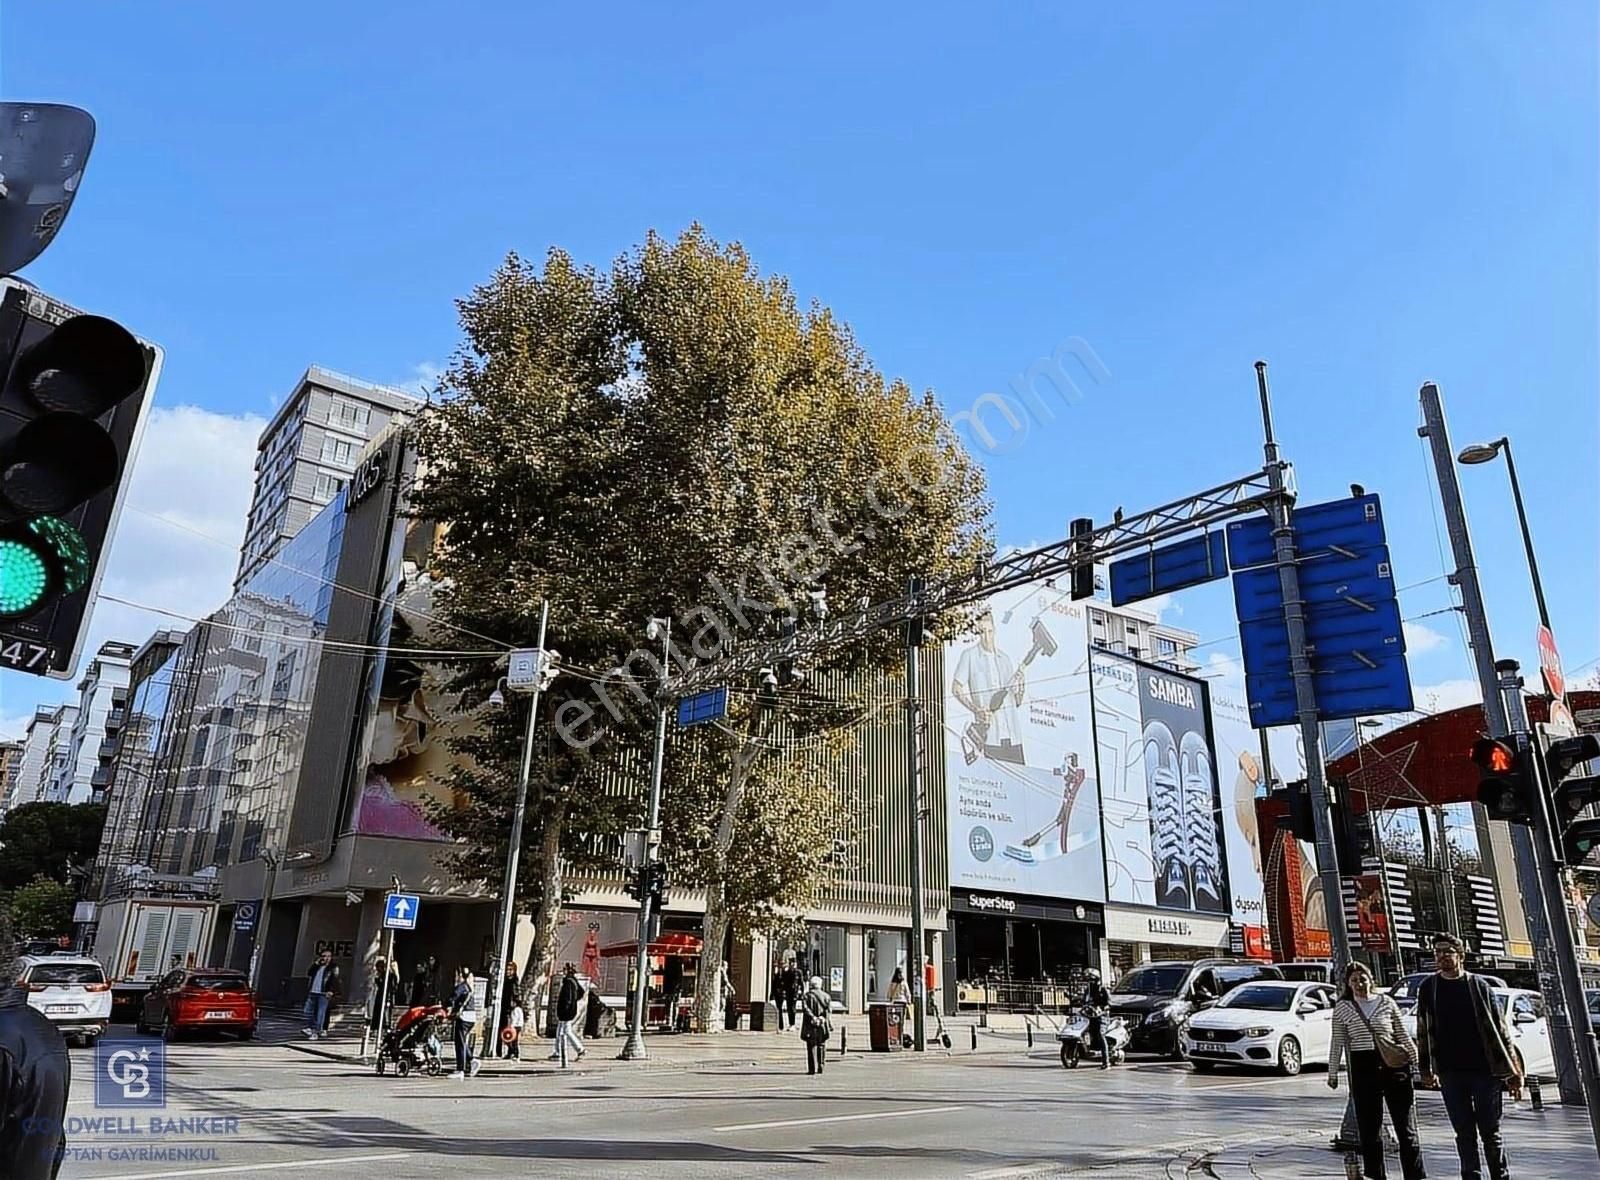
85, 772
308, 452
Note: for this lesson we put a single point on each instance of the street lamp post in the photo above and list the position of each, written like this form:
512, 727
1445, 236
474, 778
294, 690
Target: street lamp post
269, 859
633, 1049
1485, 453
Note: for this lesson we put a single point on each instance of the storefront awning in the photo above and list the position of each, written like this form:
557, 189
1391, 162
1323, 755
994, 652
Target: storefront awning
672, 943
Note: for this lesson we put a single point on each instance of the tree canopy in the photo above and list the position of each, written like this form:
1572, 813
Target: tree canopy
48, 839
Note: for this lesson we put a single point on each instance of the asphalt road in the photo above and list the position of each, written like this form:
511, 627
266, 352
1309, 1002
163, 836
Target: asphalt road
993, 1116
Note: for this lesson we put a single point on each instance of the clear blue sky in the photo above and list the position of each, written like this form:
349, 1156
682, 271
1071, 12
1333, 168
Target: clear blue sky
1366, 195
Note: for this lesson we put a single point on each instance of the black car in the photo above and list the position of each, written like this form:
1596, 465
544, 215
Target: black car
1155, 1000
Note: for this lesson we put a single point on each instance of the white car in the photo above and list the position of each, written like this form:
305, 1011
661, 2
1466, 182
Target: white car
71, 991
1267, 1025
1530, 1031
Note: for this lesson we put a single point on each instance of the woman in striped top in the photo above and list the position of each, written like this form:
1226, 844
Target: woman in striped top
1360, 1013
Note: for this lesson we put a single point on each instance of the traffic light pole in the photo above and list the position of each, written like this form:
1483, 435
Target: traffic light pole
1304, 685
634, 1048
1567, 1006
919, 1006
1529, 883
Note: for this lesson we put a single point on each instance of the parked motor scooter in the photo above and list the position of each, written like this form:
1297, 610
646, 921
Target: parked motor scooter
1074, 1038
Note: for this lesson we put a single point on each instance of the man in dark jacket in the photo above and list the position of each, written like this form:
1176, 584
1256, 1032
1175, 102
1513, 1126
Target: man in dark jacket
35, 1074
1464, 1048
567, 1001
1096, 1003
322, 989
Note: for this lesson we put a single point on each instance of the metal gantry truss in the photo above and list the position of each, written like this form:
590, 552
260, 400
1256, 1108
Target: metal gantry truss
1122, 535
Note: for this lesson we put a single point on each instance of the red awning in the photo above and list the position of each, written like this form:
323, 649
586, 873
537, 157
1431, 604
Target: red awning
671, 943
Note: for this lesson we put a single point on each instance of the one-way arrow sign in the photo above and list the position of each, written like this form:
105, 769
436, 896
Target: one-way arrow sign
400, 911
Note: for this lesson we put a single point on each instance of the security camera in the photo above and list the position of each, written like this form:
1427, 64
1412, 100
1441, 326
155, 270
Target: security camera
656, 628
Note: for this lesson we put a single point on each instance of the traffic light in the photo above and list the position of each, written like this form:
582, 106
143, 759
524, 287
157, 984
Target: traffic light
657, 881
1353, 838
634, 884
1572, 796
1505, 788
73, 392
1299, 821
1083, 573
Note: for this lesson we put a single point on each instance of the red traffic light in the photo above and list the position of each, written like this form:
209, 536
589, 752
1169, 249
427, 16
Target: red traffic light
1494, 756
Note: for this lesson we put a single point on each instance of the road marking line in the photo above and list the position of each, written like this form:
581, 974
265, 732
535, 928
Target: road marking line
233, 1169
839, 1118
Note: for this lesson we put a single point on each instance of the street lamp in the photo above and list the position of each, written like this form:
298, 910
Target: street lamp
1478, 453
633, 1049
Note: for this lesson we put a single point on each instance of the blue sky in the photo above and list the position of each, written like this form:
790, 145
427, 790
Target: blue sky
1367, 197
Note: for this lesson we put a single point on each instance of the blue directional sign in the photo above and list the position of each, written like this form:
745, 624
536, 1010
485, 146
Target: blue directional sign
710, 705
1354, 634
1171, 567
400, 911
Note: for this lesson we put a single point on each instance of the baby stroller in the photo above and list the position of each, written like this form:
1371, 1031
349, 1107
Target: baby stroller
413, 1042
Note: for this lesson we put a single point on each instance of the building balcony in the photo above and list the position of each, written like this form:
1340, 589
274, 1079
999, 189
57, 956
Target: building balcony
109, 747
116, 719
101, 778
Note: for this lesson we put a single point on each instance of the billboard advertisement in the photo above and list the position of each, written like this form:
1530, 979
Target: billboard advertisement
1242, 778
1024, 806
1163, 815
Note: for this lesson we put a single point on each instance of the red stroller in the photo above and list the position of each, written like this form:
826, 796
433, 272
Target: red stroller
413, 1042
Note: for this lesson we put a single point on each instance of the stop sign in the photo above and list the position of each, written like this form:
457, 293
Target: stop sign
1550, 663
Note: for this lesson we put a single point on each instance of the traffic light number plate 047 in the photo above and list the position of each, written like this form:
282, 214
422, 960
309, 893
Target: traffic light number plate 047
28, 656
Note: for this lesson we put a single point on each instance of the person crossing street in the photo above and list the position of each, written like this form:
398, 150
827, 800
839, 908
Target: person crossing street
816, 1008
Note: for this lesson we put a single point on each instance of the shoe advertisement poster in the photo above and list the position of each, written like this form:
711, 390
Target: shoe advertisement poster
1024, 806
1163, 812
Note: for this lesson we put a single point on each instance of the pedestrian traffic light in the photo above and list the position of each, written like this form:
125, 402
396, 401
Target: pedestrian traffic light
1353, 838
1570, 797
1300, 822
1505, 788
1081, 530
634, 883
657, 882
73, 392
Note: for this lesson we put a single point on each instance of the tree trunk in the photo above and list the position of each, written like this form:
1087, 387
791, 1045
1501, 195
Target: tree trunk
546, 919
708, 1002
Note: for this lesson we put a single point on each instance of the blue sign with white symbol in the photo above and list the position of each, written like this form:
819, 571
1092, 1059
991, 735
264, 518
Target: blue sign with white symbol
711, 705
1354, 635
130, 1071
400, 911
244, 916
1171, 567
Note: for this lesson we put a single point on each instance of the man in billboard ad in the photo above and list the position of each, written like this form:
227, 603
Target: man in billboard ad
1162, 809
1238, 749
1024, 806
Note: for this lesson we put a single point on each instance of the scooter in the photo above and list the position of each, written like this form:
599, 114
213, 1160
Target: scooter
1074, 1036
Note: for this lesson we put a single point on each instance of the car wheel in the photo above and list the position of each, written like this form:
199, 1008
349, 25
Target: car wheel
381, 1066
1070, 1055
248, 1034
1289, 1059
1203, 1066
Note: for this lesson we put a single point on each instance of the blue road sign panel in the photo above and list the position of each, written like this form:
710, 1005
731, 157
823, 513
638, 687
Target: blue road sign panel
1171, 567
710, 705
244, 916
1351, 525
1354, 634
400, 911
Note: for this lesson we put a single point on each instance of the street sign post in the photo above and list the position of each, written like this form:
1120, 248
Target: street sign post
1170, 567
244, 916
400, 911
711, 705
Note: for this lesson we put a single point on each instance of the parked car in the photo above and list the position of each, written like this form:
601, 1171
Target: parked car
1308, 972
1405, 991
70, 990
1266, 1025
208, 999
1156, 999
1530, 1031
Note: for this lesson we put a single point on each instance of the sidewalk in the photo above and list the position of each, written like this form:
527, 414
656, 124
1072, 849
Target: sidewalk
1005, 1034
1555, 1143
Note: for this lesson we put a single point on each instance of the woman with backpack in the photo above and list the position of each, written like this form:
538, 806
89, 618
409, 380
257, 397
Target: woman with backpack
816, 1025
1367, 1025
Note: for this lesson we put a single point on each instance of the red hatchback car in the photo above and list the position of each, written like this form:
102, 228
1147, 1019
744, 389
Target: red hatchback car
196, 999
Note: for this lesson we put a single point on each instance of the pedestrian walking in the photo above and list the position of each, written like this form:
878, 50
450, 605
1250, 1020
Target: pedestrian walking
35, 1075
464, 1017
510, 997
794, 984
567, 1001
322, 987
776, 991
900, 996
1367, 1027
817, 1026
518, 1019
1464, 1048
377, 1017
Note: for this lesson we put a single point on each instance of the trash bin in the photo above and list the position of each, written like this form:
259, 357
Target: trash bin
758, 1016
883, 1027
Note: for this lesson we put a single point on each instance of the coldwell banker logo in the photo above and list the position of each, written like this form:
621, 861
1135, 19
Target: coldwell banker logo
980, 843
130, 1071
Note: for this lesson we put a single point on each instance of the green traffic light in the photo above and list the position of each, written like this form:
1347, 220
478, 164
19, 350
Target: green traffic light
39, 560
24, 578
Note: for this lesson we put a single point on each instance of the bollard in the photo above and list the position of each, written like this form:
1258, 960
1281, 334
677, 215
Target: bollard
974, 1029
844, 1040
1029, 1025
1534, 1092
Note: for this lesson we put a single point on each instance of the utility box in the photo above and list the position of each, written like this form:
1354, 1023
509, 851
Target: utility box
883, 1027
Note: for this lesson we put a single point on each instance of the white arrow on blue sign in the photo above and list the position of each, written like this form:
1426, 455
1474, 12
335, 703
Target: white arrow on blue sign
400, 911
